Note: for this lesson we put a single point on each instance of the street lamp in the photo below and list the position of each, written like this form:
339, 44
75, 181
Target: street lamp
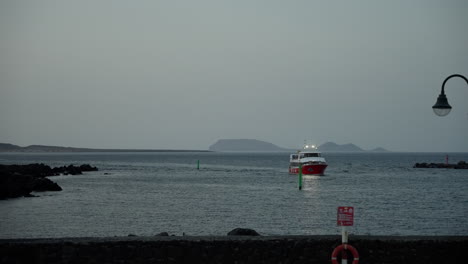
442, 107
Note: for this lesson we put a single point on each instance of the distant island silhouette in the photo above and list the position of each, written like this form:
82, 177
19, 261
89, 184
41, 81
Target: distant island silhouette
263, 146
333, 147
5, 147
245, 145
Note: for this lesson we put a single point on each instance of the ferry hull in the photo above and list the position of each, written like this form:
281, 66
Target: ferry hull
314, 169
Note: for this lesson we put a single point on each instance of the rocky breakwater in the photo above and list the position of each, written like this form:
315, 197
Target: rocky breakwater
21, 180
459, 165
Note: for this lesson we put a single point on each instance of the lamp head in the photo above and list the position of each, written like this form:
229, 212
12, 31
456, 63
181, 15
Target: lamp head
442, 107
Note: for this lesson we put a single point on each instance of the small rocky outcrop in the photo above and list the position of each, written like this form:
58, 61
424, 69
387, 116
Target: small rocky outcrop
459, 165
243, 232
44, 185
21, 180
17, 185
42, 170
73, 170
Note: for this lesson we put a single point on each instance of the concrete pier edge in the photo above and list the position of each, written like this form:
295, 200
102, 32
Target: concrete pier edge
232, 249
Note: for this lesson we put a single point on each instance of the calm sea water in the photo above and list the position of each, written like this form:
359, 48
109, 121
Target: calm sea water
149, 193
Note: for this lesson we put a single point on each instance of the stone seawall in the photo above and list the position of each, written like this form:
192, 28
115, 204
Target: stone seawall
275, 249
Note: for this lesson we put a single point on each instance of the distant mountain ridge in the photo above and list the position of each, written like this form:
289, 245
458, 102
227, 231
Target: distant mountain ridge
258, 145
6, 147
379, 149
333, 147
244, 145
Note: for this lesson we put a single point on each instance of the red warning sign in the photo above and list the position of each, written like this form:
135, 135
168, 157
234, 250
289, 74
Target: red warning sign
345, 216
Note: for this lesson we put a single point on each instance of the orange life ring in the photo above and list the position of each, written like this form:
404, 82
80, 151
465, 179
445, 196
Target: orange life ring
342, 247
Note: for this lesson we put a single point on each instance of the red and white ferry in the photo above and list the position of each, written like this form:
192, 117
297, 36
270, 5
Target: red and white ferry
309, 159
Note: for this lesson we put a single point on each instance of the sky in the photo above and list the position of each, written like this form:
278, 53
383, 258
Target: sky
183, 74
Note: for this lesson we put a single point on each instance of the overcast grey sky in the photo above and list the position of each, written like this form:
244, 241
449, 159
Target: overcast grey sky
183, 74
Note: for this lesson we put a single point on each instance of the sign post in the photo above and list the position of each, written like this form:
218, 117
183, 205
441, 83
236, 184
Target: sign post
345, 217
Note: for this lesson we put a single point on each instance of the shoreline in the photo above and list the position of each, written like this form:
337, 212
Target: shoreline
106, 151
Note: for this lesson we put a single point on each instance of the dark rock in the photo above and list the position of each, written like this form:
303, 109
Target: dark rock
243, 232
162, 234
73, 170
36, 170
44, 184
87, 167
15, 185
459, 165
21, 180
67, 170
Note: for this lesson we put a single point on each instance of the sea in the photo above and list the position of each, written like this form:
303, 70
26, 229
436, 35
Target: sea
145, 194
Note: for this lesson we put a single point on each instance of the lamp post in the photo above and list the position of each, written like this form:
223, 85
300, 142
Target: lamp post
442, 107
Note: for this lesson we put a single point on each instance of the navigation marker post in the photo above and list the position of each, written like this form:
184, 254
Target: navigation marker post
198, 164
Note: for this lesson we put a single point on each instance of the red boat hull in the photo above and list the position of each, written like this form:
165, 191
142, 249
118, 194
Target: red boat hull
314, 169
